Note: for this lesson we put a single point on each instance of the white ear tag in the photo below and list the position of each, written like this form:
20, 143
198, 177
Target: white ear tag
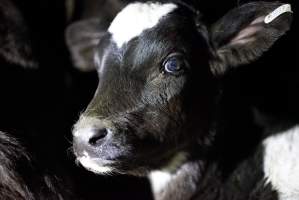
277, 12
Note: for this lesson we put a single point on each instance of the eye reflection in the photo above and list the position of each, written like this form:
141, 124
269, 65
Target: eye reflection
174, 64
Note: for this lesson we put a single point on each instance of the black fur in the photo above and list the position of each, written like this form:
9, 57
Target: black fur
15, 38
141, 116
27, 172
12, 185
20, 177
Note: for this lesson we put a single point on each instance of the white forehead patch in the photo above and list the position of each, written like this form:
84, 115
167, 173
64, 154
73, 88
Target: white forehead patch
281, 163
135, 18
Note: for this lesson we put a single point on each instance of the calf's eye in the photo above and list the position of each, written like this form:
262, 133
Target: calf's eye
174, 64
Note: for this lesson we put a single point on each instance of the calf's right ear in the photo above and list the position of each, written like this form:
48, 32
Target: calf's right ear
246, 32
82, 38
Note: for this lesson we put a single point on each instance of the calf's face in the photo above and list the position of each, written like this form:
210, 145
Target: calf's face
157, 65
137, 118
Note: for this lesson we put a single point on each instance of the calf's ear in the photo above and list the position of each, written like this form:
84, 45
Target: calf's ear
244, 33
82, 38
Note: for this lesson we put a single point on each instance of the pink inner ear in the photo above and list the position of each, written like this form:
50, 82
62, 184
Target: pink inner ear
247, 34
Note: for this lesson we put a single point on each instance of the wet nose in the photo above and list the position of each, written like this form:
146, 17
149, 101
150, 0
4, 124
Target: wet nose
98, 136
90, 132
91, 136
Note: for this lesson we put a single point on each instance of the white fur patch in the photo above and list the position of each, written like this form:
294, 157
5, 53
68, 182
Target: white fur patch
281, 163
91, 165
135, 18
85, 127
159, 179
85, 132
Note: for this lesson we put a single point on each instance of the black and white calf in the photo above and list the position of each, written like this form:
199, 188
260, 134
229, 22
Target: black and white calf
27, 172
156, 110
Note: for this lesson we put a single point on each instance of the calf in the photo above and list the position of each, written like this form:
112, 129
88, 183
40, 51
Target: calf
155, 110
12, 186
27, 171
15, 45
22, 178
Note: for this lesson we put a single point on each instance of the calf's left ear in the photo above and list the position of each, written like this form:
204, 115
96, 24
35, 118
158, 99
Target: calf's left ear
243, 34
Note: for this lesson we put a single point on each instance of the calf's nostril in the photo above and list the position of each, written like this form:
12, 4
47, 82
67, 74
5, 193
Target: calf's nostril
98, 136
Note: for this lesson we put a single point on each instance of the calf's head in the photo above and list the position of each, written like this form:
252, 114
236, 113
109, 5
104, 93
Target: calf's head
157, 66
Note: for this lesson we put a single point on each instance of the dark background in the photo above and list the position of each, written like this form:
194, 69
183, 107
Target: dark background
39, 106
